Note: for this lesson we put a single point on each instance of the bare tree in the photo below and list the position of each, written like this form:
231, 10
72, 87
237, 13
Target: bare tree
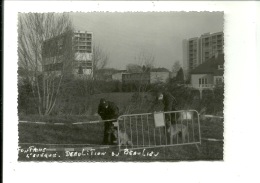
144, 64
100, 59
33, 30
133, 68
176, 67
146, 61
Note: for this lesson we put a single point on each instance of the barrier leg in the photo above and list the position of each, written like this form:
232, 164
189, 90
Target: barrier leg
198, 148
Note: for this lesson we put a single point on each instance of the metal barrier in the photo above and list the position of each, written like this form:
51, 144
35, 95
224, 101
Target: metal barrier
152, 130
137, 131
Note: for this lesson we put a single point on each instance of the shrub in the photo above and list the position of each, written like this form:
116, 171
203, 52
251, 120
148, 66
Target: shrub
26, 101
219, 99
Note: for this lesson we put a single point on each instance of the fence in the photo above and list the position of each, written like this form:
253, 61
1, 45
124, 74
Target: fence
135, 131
151, 130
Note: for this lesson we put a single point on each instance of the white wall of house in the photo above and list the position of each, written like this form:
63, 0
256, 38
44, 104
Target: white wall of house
201, 80
218, 80
117, 76
159, 77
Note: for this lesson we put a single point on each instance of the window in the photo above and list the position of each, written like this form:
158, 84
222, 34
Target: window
89, 63
219, 81
199, 81
220, 67
80, 71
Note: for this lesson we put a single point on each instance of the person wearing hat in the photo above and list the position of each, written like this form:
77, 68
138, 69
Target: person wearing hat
107, 111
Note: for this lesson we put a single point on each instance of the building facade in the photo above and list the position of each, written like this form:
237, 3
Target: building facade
210, 45
136, 78
209, 74
69, 53
193, 53
145, 78
118, 76
83, 48
159, 77
200, 49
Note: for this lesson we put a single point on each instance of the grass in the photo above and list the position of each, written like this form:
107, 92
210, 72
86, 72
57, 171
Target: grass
93, 133
122, 100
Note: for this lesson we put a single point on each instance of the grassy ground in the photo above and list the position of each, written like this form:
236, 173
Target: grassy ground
91, 136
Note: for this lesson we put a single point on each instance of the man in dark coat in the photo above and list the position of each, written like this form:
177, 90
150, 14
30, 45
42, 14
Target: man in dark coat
108, 110
170, 104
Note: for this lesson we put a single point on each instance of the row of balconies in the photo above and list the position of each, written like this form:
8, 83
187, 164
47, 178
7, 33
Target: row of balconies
83, 43
82, 39
83, 51
82, 47
82, 35
207, 45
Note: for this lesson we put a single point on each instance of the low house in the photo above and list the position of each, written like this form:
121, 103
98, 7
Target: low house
159, 77
104, 74
136, 78
118, 75
209, 73
152, 77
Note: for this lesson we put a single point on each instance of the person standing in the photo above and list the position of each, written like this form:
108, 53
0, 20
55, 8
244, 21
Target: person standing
170, 104
107, 111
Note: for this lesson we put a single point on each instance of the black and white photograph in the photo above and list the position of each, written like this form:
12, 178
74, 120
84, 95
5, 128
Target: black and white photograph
149, 91
100, 86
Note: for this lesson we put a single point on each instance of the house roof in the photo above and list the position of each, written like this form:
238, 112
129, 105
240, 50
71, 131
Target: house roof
106, 71
159, 69
210, 66
120, 71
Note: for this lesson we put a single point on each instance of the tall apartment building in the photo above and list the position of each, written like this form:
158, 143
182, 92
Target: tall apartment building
211, 44
69, 53
200, 49
193, 53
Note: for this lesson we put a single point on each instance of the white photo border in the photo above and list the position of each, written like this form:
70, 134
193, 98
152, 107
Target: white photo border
241, 96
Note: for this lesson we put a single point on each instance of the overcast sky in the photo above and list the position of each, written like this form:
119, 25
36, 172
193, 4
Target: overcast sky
125, 35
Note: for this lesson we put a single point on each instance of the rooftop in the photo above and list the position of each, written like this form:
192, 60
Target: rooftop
211, 66
159, 69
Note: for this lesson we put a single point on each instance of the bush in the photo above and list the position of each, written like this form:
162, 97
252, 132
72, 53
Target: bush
208, 101
75, 95
219, 99
184, 96
26, 101
106, 86
188, 98
140, 102
134, 87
